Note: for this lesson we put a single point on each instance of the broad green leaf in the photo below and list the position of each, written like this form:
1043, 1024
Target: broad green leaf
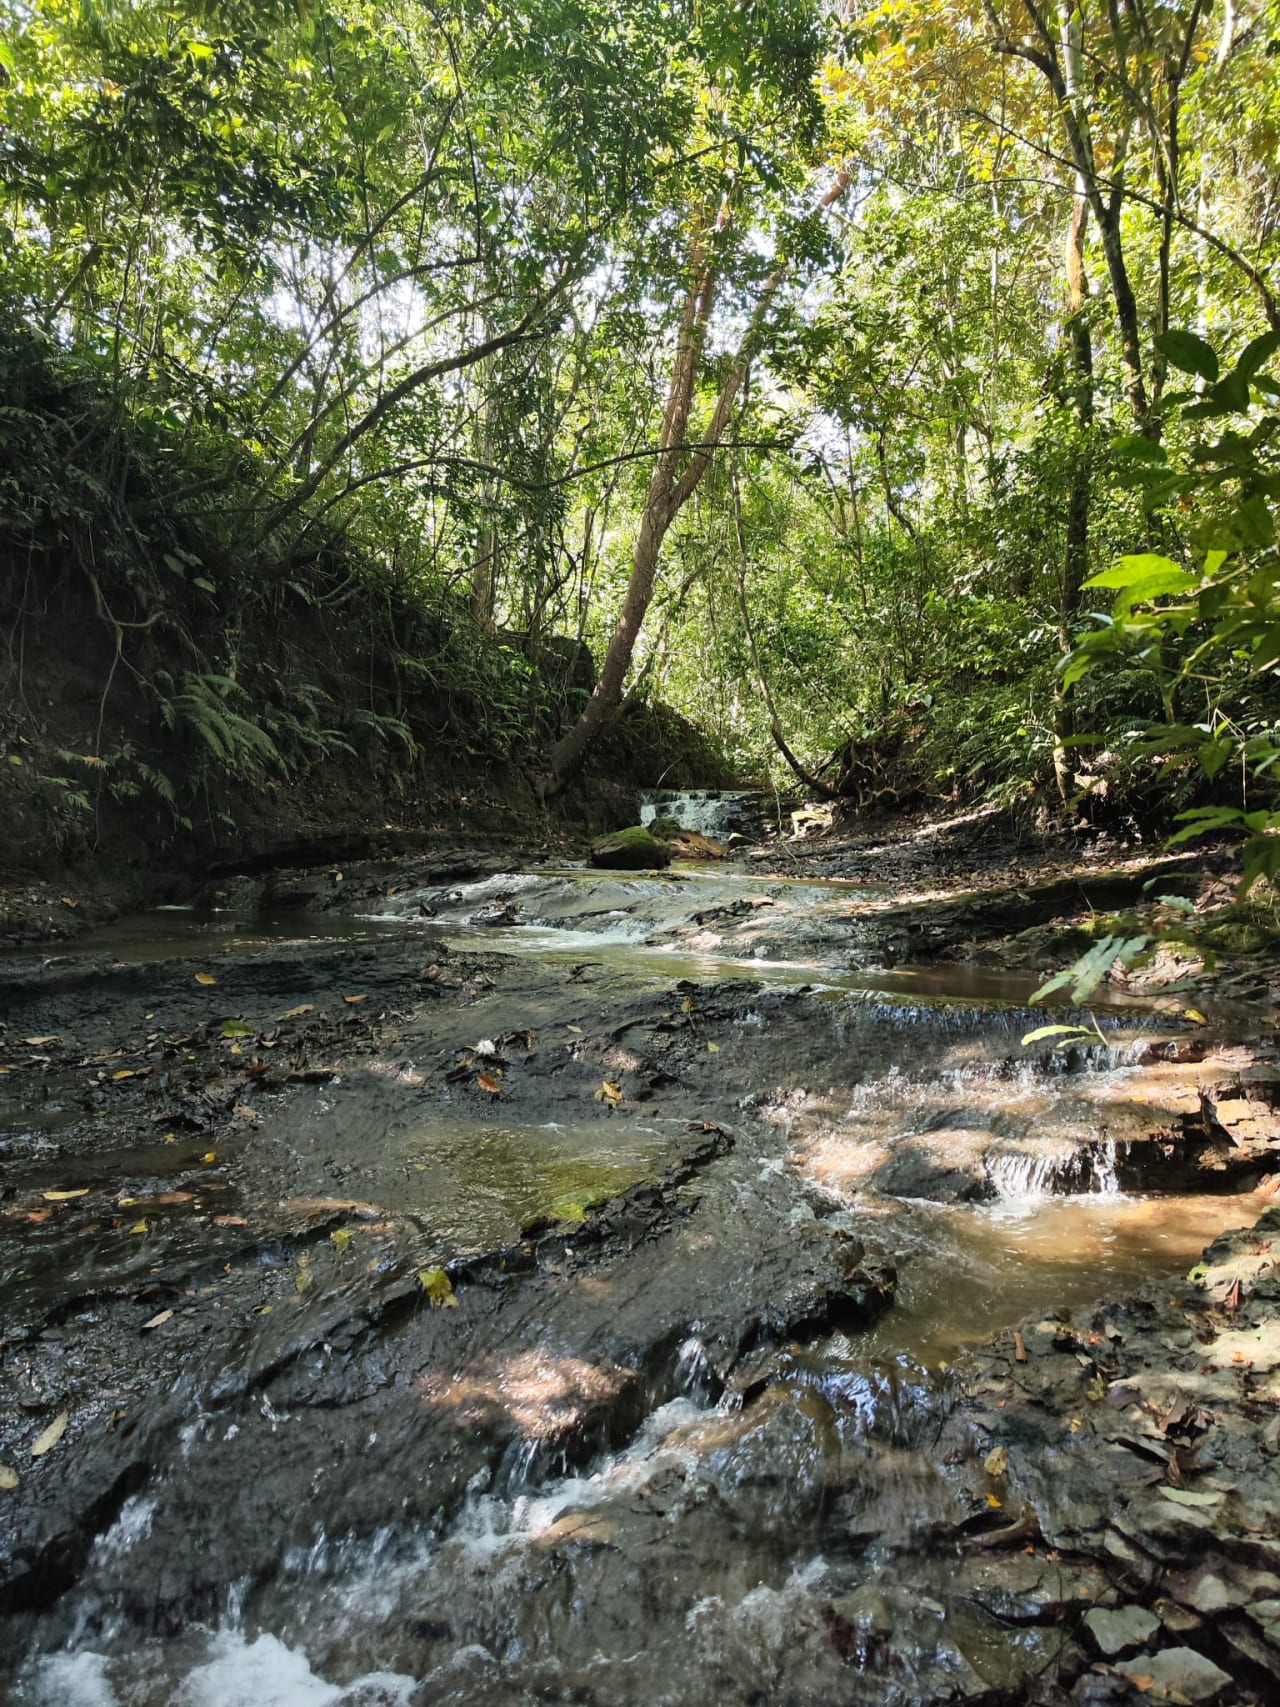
1141, 567
1189, 353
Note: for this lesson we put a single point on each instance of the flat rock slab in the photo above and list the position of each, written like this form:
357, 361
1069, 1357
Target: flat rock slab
1178, 1674
1122, 1631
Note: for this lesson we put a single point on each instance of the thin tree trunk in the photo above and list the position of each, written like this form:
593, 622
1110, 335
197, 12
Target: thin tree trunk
669, 488
1075, 559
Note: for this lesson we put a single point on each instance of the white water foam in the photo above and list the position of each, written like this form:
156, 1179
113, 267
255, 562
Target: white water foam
264, 1672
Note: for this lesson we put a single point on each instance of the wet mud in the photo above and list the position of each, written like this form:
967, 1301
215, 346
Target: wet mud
441, 1284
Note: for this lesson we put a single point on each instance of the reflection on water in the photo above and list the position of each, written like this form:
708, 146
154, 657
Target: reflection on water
966, 1271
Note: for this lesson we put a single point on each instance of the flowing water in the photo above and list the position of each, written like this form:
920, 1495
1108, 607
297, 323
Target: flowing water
572, 1483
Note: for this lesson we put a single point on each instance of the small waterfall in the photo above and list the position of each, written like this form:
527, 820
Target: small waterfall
713, 812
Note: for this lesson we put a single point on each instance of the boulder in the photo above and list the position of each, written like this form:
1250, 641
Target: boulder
633, 849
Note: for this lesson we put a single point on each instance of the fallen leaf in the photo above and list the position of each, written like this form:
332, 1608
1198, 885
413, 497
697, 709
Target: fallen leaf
209, 1157
51, 1436
297, 1013
39, 1042
1195, 1016
1019, 1349
353, 1001
164, 1316
996, 1462
713, 1048
62, 1196
229, 1221
68, 902
8, 1479
205, 978
610, 1093
39, 1214
139, 1227
236, 1028
486, 1082
1075, 1424
995, 1502
438, 1287
124, 1073
575, 1029
341, 1237
1232, 1299
1187, 1496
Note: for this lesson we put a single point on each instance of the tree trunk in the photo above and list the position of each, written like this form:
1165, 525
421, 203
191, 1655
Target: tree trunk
1075, 557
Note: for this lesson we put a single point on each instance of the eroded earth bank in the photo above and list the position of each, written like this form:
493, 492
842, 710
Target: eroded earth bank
478, 1278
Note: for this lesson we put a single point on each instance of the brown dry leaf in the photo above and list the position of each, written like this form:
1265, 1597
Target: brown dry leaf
297, 1013
353, 1001
610, 1093
62, 1196
486, 1082
8, 1479
39, 1214
1019, 1349
39, 1042
230, 1221
205, 978
163, 1316
68, 902
996, 1462
52, 1435
174, 1197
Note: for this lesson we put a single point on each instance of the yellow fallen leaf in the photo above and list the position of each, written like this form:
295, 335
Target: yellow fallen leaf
125, 1202
14, 759
39, 1042
995, 1502
171, 1137
205, 978
341, 1237
8, 1479
575, 1029
996, 1462
51, 1436
139, 1227
1195, 1016
62, 1196
1075, 1425
713, 1048
209, 1157
297, 1013
609, 1093
438, 1287
164, 1316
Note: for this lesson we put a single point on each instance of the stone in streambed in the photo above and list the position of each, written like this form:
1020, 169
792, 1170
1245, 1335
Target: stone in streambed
1122, 1631
1180, 1673
632, 849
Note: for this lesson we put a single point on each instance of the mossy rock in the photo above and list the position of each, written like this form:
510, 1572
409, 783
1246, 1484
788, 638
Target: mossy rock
633, 849
1237, 936
664, 828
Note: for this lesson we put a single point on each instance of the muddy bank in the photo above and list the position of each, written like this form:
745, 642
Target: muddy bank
474, 1285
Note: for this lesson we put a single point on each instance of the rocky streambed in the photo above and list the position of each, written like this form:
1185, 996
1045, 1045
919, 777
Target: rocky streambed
457, 1281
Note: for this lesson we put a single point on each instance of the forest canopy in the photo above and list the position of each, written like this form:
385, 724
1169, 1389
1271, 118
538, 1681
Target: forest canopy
821, 368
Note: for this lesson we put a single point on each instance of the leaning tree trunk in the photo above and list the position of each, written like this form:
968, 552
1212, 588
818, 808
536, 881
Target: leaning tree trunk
670, 486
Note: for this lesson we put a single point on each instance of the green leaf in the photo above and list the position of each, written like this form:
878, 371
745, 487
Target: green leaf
236, 1028
1189, 353
1140, 567
1257, 353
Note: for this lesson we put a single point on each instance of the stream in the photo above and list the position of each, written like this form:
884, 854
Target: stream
544, 1285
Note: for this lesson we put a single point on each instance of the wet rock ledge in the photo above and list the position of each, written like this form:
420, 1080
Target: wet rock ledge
1140, 1445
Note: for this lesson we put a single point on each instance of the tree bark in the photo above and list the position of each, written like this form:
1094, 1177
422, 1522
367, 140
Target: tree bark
670, 486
